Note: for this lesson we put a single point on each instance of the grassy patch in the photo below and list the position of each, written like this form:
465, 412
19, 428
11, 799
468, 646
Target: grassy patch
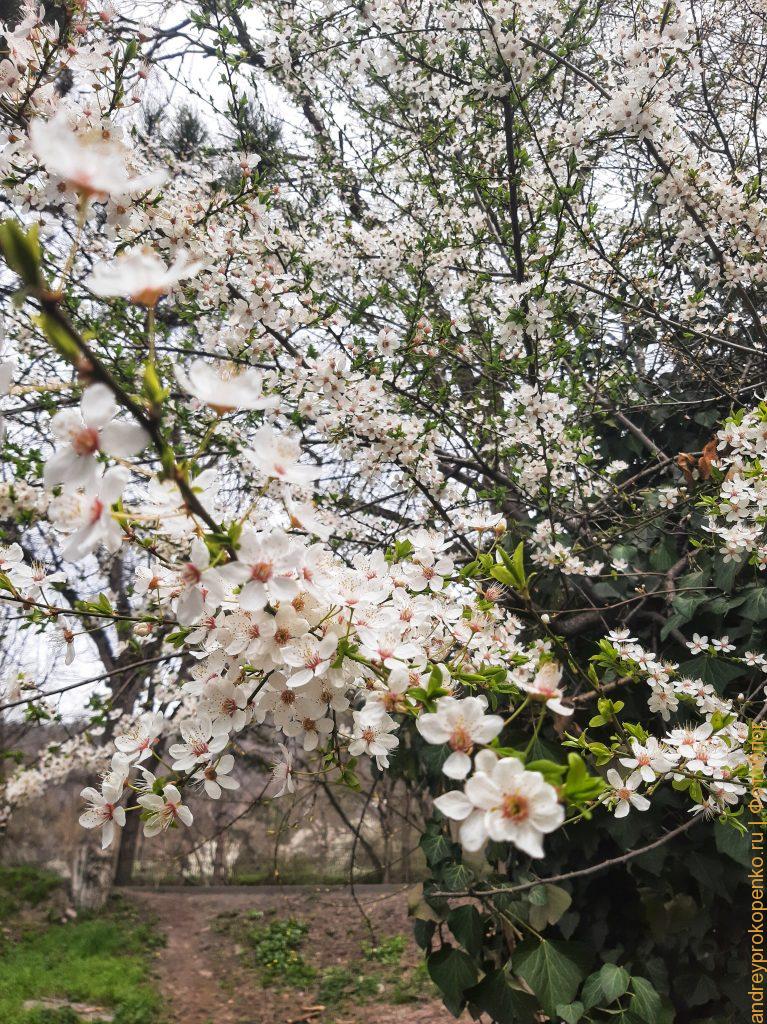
99, 960
276, 950
24, 885
412, 986
339, 984
388, 951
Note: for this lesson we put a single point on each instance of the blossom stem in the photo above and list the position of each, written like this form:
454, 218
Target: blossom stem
150, 330
537, 729
518, 711
82, 216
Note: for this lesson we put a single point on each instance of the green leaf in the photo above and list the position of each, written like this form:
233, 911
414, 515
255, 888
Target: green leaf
456, 877
21, 250
571, 1013
664, 555
549, 970
550, 770
614, 981
579, 785
502, 574
645, 1002
466, 924
436, 848
734, 844
501, 1001
61, 340
556, 902
712, 670
725, 573
452, 971
755, 605
685, 605
592, 991
423, 931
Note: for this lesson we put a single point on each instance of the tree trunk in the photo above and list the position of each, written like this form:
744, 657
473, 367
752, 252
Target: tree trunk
219, 861
128, 843
91, 875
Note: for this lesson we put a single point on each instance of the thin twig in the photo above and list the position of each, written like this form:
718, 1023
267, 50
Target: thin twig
581, 872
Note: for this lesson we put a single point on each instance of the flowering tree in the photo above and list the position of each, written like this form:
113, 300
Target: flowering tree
426, 434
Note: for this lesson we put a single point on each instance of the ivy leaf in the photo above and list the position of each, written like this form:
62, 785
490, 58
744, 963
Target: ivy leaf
549, 970
716, 671
452, 971
556, 901
614, 981
725, 573
592, 991
466, 924
500, 1000
733, 844
423, 932
436, 848
755, 605
456, 877
571, 1013
645, 1002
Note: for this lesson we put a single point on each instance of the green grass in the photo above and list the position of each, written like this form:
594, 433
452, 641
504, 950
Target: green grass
100, 960
24, 885
339, 984
276, 951
388, 951
412, 986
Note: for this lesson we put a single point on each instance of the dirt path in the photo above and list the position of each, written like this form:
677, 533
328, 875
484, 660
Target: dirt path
208, 977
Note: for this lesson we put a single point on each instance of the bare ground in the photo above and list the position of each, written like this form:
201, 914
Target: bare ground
207, 977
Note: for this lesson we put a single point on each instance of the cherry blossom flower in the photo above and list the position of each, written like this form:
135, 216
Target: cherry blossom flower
86, 161
164, 811
311, 656
88, 515
198, 581
461, 724
11, 560
104, 811
282, 772
266, 565
303, 516
623, 795
225, 703
372, 735
224, 388
140, 275
245, 634
545, 687
31, 580
386, 647
85, 433
277, 455
136, 742
215, 776
200, 744
698, 644
428, 572
649, 760
504, 802
311, 728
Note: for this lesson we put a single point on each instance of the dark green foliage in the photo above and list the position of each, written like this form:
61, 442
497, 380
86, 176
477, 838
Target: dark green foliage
187, 134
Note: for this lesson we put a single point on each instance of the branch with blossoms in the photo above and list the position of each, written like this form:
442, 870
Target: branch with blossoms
421, 440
